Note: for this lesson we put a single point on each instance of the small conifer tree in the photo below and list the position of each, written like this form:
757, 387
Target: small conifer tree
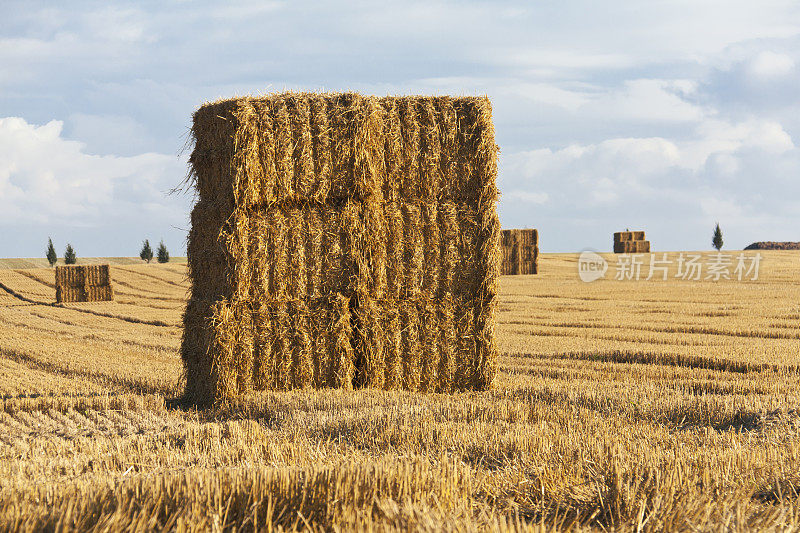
147, 253
717, 240
70, 257
52, 256
163, 254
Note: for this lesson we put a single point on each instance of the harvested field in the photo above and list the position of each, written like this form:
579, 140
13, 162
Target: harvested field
656, 405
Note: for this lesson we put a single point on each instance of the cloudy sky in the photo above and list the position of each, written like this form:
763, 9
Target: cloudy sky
659, 115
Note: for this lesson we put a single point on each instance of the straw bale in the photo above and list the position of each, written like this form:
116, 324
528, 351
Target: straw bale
413, 250
623, 236
394, 250
519, 251
409, 319
449, 253
409, 157
393, 152
632, 247
303, 349
428, 334
296, 274
65, 294
429, 151
370, 339
431, 249
96, 275
392, 345
372, 270
99, 293
447, 342
628, 236
342, 240
83, 283
199, 341
342, 367
264, 354
448, 128
319, 143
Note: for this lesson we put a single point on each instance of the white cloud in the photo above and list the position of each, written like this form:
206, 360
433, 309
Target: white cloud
526, 196
109, 134
770, 64
48, 180
737, 173
645, 100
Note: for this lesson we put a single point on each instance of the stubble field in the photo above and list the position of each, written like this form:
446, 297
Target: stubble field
621, 405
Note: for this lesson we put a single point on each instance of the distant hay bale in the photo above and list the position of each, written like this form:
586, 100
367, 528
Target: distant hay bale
520, 251
630, 242
632, 247
342, 240
84, 283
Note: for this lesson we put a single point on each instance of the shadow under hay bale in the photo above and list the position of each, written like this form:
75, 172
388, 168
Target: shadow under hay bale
342, 240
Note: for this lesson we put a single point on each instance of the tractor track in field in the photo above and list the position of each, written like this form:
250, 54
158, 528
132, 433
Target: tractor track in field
152, 276
131, 320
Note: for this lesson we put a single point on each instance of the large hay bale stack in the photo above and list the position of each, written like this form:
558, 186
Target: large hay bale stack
342, 240
84, 283
630, 242
520, 251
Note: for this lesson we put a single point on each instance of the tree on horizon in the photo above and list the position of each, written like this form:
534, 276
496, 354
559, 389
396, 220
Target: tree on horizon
163, 253
51, 255
70, 257
147, 253
717, 240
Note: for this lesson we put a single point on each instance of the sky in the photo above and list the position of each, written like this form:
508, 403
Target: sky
666, 116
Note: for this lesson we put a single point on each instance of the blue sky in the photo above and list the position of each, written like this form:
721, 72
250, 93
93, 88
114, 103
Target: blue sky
666, 116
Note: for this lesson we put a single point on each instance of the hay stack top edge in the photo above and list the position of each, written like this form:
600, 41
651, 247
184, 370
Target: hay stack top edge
318, 147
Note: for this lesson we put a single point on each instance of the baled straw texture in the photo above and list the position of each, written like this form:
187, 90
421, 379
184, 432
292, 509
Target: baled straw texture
84, 283
342, 240
627, 242
632, 247
520, 251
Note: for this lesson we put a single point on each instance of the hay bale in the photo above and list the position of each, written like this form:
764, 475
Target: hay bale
627, 242
342, 240
520, 251
84, 283
623, 236
632, 247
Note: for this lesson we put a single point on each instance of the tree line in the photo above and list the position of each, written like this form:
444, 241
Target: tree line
71, 257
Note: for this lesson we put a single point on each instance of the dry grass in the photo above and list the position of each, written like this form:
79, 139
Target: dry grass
619, 405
